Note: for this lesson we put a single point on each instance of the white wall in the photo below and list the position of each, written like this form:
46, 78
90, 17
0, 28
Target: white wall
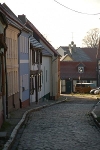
46, 67
54, 71
60, 51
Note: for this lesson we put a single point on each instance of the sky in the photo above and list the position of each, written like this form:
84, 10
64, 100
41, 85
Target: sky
56, 22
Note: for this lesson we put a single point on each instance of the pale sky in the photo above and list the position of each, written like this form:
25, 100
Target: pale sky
56, 22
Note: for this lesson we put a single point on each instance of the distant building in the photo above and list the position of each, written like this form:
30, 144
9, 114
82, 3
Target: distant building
77, 65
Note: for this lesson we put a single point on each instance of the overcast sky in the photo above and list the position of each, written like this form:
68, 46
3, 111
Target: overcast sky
58, 23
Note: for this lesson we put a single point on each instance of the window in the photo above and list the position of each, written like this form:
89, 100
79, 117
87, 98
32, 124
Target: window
80, 69
40, 57
33, 56
40, 82
32, 85
37, 57
42, 77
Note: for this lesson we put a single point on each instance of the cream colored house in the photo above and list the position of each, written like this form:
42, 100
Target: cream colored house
3, 49
12, 66
12, 33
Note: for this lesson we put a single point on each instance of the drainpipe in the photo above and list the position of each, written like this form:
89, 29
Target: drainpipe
19, 69
31, 34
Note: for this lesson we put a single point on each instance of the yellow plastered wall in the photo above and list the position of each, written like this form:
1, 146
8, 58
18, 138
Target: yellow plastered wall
12, 59
67, 58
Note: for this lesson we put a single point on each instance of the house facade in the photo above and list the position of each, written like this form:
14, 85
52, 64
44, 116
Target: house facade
53, 72
35, 70
53, 69
24, 67
30, 66
12, 67
46, 75
3, 49
11, 34
75, 66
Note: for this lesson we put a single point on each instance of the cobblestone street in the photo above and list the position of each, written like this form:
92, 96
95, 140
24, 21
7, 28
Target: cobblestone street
65, 126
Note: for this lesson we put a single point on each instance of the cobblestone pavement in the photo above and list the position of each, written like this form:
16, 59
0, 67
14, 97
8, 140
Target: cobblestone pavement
65, 126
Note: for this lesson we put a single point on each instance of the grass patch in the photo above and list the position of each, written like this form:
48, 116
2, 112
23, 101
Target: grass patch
5, 125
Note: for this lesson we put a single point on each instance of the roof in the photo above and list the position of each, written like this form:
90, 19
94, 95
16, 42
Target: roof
69, 70
45, 53
35, 43
81, 54
12, 18
91, 52
28, 23
9, 17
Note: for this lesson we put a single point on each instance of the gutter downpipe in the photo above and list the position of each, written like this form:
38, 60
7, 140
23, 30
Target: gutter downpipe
19, 69
31, 34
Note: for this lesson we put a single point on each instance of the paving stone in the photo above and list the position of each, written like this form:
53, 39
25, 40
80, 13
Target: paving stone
65, 126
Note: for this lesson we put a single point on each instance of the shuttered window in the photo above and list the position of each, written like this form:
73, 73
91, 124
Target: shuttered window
37, 57
32, 85
40, 57
33, 56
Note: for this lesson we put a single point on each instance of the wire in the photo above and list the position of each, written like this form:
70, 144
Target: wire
75, 10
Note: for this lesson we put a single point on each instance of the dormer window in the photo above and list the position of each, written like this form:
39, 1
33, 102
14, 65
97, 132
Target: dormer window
81, 69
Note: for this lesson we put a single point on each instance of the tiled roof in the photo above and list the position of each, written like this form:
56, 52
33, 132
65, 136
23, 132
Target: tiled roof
69, 70
91, 52
46, 53
82, 54
35, 43
12, 18
28, 23
79, 55
42, 37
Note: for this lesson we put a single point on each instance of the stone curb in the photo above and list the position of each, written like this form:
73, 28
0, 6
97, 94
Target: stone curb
9, 143
94, 115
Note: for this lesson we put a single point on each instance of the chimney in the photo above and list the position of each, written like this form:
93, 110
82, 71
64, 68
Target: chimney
22, 18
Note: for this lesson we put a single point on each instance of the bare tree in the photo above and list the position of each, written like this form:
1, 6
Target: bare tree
92, 38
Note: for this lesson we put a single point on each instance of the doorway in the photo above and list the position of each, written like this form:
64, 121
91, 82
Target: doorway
68, 87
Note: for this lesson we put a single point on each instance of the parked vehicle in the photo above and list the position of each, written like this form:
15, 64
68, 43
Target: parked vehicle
97, 91
93, 90
84, 87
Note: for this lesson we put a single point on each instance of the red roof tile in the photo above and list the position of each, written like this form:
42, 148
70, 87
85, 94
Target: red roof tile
70, 70
91, 52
